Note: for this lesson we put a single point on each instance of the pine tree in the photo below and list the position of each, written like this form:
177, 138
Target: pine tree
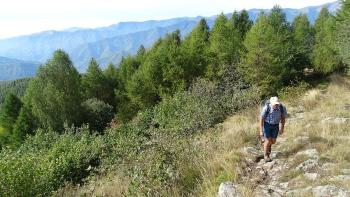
161, 74
303, 42
127, 68
140, 82
170, 58
95, 85
225, 43
242, 22
10, 111
325, 56
141, 89
111, 75
141, 51
54, 93
343, 32
195, 50
112, 83
266, 63
25, 125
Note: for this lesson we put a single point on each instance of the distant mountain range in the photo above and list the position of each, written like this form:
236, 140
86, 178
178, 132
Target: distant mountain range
13, 68
109, 44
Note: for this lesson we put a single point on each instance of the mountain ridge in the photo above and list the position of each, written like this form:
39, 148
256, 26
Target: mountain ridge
14, 68
124, 38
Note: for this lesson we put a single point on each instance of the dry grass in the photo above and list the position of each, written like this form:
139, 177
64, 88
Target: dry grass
224, 163
221, 159
308, 115
111, 184
329, 137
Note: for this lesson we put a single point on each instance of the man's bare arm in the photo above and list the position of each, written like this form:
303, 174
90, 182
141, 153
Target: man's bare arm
283, 121
261, 125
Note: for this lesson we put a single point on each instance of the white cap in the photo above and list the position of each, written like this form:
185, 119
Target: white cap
274, 100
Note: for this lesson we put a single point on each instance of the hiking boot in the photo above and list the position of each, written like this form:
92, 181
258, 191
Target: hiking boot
267, 159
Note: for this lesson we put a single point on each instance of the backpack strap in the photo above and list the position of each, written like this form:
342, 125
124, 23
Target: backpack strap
282, 109
268, 109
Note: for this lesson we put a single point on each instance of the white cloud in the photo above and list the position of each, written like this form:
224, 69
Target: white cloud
27, 16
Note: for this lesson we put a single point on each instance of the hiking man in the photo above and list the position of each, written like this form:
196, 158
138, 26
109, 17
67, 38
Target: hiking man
271, 116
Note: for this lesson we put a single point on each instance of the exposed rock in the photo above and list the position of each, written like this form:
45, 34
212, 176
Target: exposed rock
311, 153
308, 165
299, 192
268, 191
302, 139
335, 120
312, 176
328, 166
228, 189
252, 151
276, 154
347, 107
345, 171
249, 160
295, 117
340, 178
329, 190
268, 165
284, 185
277, 191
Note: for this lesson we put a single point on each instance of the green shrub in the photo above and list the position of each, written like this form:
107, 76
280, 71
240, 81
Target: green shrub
295, 90
204, 104
97, 114
189, 111
45, 161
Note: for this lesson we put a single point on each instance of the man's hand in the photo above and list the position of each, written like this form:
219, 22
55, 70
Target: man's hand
281, 131
261, 125
283, 121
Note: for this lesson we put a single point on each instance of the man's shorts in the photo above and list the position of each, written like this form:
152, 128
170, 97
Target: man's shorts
271, 131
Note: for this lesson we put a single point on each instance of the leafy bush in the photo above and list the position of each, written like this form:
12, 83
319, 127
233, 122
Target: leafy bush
205, 103
294, 90
189, 111
97, 113
45, 161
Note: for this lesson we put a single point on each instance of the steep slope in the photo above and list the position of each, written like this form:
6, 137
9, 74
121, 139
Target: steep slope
310, 159
14, 69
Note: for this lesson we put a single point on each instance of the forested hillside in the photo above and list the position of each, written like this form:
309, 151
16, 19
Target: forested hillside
17, 87
144, 123
14, 69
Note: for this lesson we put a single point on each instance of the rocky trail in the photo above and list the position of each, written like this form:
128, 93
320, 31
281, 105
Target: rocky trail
292, 172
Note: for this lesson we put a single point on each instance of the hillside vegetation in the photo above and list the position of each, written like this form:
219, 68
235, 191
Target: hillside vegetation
317, 130
173, 119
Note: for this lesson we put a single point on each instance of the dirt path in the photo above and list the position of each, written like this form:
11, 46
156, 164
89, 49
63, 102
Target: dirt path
291, 171
263, 177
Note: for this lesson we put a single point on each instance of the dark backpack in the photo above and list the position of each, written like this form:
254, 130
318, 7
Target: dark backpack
268, 108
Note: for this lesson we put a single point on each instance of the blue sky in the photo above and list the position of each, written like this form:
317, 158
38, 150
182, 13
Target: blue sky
19, 17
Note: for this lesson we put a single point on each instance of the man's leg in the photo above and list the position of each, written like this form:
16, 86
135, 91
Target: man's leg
274, 134
266, 147
272, 141
267, 143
